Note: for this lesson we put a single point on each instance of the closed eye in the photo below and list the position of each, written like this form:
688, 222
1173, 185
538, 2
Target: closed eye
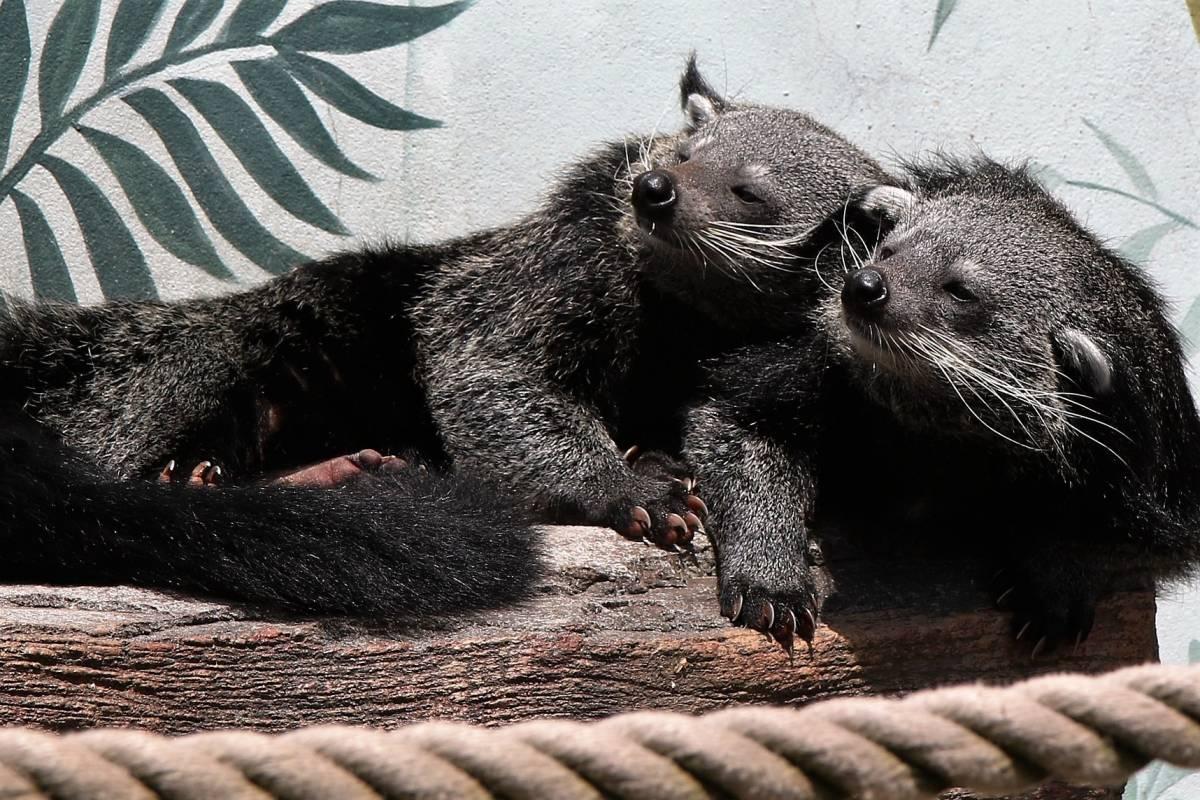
959, 291
746, 195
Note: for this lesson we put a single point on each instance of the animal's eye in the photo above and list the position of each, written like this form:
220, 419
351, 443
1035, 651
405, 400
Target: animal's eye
746, 195
960, 292
885, 253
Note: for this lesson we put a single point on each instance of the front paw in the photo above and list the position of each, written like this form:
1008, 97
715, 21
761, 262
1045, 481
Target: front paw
671, 520
783, 602
670, 515
1050, 604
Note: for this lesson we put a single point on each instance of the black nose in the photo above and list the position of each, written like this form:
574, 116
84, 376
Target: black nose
864, 290
653, 192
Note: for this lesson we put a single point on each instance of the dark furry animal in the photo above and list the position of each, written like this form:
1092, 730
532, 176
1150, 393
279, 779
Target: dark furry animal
397, 545
533, 354
991, 377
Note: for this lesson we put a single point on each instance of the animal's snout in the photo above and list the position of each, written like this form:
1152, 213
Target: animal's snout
865, 290
654, 193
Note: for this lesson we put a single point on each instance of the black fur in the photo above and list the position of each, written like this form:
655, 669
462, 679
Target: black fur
532, 354
393, 545
1089, 471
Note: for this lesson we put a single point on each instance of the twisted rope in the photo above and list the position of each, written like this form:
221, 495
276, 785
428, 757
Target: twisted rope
1079, 729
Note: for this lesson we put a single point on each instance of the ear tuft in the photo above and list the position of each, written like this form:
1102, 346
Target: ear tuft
885, 202
699, 110
692, 84
1084, 361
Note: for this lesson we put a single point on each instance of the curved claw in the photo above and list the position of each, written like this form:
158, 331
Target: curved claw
631, 455
785, 634
677, 530
204, 474
736, 611
697, 506
806, 628
1038, 648
168, 473
639, 528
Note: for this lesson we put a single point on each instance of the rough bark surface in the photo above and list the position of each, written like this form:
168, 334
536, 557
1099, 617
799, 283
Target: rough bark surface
618, 626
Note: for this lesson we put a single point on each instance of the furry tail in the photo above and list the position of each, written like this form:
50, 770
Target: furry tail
404, 544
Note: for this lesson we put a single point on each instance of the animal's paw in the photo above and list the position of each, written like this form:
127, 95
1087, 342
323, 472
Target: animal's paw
665, 512
1049, 607
340, 470
204, 474
784, 607
660, 466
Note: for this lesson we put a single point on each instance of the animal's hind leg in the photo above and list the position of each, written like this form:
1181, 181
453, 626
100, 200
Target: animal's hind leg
342, 469
205, 473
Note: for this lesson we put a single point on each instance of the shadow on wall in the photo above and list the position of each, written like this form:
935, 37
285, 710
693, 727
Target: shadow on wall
272, 69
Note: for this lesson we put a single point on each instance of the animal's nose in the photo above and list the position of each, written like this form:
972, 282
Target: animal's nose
864, 290
653, 192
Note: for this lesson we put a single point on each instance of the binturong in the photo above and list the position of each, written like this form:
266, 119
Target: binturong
522, 360
992, 377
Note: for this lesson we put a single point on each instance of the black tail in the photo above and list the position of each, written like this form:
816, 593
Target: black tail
401, 544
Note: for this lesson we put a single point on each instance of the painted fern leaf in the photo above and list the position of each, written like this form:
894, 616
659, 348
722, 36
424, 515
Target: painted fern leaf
278, 69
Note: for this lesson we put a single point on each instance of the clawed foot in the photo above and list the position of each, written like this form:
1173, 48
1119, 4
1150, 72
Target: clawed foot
1047, 610
204, 474
782, 616
779, 596
340, 470
673, 519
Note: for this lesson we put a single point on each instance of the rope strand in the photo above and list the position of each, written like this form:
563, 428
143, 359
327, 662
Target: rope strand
1081, 729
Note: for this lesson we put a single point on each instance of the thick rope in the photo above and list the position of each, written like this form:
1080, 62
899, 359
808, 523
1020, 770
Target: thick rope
1074, 728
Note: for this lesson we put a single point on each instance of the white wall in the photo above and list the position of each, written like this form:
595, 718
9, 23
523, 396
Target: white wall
525, 85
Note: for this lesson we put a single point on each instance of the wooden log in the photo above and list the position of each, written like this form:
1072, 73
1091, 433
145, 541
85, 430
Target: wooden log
618, 626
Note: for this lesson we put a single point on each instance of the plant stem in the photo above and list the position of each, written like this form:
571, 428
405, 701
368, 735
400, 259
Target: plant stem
49, 134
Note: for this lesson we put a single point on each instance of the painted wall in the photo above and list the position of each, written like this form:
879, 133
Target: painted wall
154, 177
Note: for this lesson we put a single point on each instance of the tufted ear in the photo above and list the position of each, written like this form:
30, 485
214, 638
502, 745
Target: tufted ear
885, 203
698, 99
1084, 361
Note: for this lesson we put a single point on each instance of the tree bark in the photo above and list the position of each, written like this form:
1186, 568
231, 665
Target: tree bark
617, 626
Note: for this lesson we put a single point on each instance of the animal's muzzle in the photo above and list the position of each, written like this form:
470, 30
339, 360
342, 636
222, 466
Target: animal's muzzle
864, 291
654, 194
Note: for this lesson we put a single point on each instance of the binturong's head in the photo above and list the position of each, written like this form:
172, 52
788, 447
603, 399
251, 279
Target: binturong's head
736, 199
987, 311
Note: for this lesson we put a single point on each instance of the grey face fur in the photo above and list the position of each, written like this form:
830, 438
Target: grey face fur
986, 301
739, 193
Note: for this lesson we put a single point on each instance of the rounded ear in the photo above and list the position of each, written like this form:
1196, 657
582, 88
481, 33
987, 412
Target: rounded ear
697, 98
885, 202
1082, 359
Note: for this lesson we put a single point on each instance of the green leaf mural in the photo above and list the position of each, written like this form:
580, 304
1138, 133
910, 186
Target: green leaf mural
944, 9
119, 264
14, 67
350, 97
65, 53
350, 26
130, 27
193, 19
212, 190
277, 81
251, 17
158, 202
278, 94
48, 270
237, 124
